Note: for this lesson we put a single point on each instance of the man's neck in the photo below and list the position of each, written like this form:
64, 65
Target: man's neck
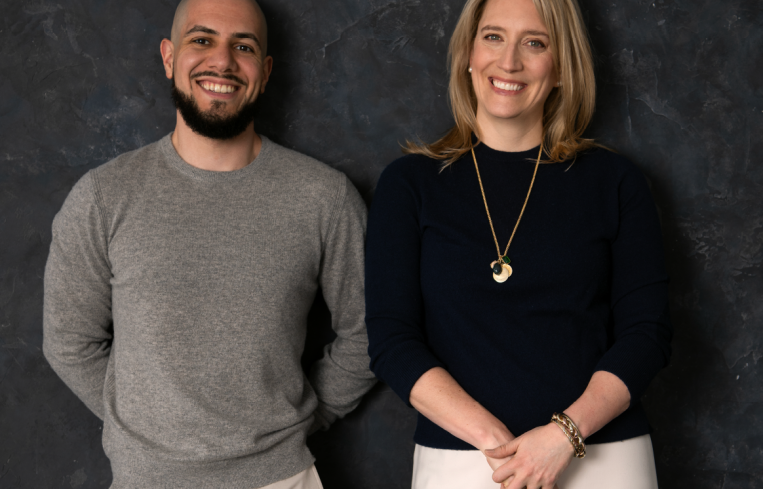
214, 154
512, 135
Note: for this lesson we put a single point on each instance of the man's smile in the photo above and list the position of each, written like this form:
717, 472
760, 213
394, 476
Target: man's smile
217, 87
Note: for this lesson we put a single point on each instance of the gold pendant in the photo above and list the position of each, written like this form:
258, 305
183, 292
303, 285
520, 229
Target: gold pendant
506, 272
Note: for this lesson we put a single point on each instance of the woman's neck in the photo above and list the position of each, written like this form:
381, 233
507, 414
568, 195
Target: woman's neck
510, 135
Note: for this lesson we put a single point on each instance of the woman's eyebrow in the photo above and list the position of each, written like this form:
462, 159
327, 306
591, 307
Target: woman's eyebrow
501, 29
492, 28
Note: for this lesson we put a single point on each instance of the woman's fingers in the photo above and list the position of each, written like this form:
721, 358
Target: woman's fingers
515, 482
503, 451
504, 471
495, 463
507, 482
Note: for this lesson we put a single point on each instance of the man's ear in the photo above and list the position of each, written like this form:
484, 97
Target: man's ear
168, 56
267, 68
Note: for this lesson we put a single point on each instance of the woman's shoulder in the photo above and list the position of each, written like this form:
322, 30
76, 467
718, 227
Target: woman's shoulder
603, 168
411, 168
606, 162
601, 155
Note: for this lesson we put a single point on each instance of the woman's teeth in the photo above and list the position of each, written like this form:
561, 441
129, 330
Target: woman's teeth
508, 86
217, 88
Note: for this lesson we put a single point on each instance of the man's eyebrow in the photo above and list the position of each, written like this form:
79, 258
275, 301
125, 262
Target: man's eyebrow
246, 35
201, 28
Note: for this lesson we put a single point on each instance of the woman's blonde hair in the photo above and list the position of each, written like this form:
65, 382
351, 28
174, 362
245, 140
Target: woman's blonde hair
568, 109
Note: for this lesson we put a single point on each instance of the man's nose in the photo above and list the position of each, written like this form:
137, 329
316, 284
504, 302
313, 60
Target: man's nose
222, 59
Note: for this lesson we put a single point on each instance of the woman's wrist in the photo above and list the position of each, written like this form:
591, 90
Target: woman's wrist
437, 395
580, 422
605, 398
571, 432
494, 436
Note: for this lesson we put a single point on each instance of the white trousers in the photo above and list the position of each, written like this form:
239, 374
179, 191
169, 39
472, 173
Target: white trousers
627, 464
307, 479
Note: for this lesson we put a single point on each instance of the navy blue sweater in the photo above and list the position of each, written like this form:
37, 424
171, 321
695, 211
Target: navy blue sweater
589, 290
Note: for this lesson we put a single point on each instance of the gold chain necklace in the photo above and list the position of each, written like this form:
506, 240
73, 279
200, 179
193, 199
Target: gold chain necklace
501, 268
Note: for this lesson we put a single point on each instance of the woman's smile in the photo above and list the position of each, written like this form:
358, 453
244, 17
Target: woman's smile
506, 86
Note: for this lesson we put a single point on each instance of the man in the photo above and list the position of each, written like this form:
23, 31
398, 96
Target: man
181, 274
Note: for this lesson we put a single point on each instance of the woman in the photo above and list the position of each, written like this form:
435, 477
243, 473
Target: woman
574, 325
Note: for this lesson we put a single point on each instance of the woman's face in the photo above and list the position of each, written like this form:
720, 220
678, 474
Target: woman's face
512, 67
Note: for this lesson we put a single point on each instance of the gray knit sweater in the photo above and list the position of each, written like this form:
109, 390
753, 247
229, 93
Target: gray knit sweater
175, 307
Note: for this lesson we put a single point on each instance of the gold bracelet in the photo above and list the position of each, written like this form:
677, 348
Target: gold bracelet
570, 429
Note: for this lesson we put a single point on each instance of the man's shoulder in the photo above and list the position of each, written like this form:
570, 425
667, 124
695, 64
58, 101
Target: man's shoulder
292, 160
302, 171
126, 166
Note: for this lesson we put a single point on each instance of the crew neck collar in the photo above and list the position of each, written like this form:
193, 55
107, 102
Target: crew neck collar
168, 149
483, 151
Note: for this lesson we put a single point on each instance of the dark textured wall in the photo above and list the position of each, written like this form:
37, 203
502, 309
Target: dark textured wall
680, 93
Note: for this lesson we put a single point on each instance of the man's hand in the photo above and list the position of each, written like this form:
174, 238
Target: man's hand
534, 460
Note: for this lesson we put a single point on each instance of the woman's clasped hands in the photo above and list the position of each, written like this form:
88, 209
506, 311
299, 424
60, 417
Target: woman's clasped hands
534, 460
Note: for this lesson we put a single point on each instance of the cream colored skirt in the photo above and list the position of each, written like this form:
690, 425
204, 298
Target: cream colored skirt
627, 464
307, 479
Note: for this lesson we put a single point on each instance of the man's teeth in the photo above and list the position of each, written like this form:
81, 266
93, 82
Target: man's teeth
216, 87
508, 86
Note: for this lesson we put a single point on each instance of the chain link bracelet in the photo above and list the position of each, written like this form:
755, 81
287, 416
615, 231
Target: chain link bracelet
570, 429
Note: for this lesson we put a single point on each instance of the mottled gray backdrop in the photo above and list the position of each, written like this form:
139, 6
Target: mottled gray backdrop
680, 93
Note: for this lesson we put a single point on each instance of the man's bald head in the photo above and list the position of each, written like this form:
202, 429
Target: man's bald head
247, 7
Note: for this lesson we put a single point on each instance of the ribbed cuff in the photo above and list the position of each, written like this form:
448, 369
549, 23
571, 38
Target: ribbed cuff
634, 359
403, 366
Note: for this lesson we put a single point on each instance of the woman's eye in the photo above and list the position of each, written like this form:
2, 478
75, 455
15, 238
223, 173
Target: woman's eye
493, 37
536, 44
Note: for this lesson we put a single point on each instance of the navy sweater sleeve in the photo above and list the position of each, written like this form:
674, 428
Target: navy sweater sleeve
394, 310
639, 289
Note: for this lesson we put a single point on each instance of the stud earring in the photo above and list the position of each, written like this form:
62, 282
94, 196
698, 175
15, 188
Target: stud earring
470, 69
558, 84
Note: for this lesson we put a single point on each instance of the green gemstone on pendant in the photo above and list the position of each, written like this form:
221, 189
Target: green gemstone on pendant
505, 259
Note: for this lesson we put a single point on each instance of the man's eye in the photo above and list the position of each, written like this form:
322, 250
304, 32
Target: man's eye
200, 41
245, 48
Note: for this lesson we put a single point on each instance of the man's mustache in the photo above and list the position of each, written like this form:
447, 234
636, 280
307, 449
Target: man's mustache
211, 73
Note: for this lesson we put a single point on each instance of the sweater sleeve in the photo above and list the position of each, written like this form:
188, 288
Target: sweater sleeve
342, 376
395, 306
77, 322
642, 330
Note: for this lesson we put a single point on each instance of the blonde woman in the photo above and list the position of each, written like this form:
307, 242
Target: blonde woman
515, 279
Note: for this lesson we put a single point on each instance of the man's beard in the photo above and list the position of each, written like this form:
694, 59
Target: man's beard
211, 123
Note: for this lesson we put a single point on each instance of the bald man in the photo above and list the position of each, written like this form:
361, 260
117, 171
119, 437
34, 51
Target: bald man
181, 274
